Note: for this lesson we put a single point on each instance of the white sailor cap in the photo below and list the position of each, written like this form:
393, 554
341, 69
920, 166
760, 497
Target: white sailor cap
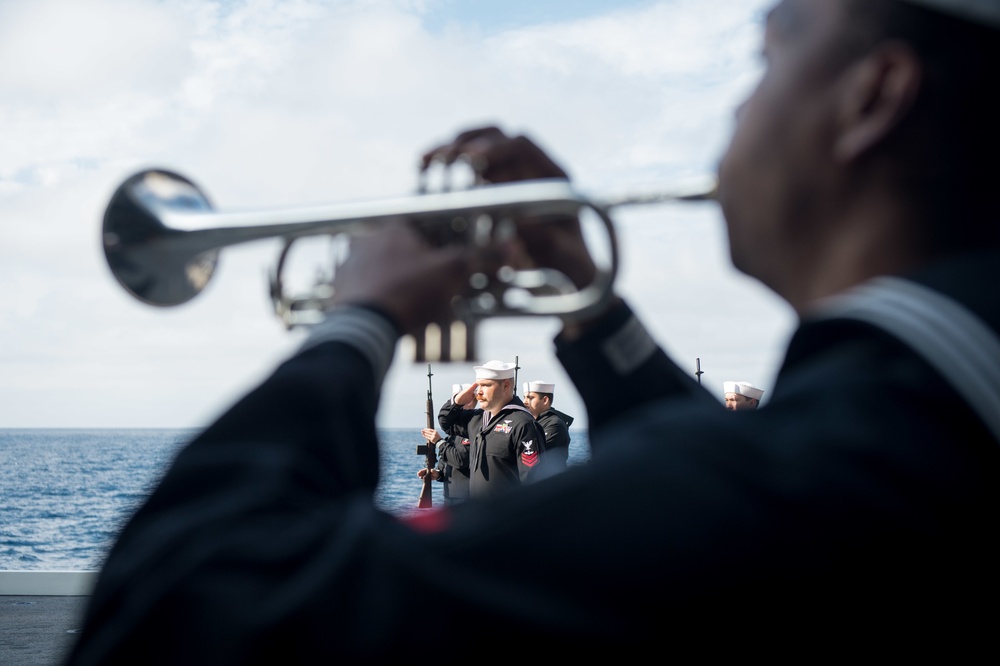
539, 386
742, 388
985, 12
456, 389
494, 370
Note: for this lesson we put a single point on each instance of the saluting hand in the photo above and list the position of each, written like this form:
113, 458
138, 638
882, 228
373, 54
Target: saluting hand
466, 397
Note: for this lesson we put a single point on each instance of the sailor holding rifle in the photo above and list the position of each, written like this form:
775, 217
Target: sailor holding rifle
856, 516
453, 453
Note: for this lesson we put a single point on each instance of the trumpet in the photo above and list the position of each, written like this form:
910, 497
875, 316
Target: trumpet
162, 239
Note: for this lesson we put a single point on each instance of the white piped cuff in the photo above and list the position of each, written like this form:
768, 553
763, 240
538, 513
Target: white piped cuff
365, 330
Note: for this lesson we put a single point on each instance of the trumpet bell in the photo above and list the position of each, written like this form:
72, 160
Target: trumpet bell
157, 265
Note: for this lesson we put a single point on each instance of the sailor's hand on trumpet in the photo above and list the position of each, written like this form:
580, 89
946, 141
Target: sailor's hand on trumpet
498, 158
495, 157
394, 269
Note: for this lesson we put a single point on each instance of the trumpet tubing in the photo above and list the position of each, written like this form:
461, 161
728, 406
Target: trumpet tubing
162, 238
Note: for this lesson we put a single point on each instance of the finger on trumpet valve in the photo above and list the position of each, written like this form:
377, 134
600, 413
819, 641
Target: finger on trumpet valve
439, 175
435, 177
475, 166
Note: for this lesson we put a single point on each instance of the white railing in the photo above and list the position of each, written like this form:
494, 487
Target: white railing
47, 583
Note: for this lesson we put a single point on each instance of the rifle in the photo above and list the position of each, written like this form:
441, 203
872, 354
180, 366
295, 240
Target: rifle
516, 368
427, 449
698, 373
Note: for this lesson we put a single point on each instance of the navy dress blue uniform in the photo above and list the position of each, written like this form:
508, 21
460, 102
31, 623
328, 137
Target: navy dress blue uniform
873, 502
453, 462
453, 458
506, 448
555, 425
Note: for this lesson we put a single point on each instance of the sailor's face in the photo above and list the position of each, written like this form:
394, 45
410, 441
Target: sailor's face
780, 148
489, 394
534, 403
738, 403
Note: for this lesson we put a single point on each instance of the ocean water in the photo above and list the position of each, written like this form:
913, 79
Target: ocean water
65, 493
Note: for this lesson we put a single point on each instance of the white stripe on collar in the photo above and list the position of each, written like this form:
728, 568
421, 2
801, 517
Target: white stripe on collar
488, 418
953, 340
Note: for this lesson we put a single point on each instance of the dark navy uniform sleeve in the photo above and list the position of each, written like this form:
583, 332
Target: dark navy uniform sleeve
454, 451
617, 367
441, 466
529, 447
556, 437
242, 511
452, 417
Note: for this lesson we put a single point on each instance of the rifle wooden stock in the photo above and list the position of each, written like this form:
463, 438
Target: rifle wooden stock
426, 500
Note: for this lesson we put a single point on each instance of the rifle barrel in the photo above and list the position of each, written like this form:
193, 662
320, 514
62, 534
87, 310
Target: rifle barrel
426, 500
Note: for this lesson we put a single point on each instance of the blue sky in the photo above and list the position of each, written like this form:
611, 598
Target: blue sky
268, 103
500, 16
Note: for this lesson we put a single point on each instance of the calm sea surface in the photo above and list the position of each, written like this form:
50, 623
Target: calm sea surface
65, 493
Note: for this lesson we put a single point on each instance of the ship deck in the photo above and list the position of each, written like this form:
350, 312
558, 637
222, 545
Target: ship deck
40, 614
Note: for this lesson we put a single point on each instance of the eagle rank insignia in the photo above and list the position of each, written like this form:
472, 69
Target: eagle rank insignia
529, 456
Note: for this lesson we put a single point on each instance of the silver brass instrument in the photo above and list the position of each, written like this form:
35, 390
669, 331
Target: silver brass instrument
162, 240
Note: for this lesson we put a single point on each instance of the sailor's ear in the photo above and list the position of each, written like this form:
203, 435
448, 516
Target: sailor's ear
876, 94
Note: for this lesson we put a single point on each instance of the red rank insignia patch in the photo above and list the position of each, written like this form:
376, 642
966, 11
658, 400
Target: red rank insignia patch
529, 457
465, 441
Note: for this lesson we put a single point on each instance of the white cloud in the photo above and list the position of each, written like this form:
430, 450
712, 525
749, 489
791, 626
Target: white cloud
51, 50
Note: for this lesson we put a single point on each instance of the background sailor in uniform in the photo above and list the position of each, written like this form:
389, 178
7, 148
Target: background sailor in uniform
452, 467
507, 443
741, 396
538, 396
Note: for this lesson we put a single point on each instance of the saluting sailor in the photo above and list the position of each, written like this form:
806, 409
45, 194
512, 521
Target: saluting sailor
741, 396
507, 444
538, 396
